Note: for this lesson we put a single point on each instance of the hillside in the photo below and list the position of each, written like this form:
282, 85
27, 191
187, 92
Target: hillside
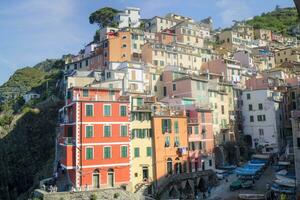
280, 20
27, 131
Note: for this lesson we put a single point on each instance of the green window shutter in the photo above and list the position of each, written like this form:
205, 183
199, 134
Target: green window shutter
196, 130
107, 131
89, 153
85, 92
176, 130
107, 110
136, 152
124, 151
89, 110
139, 101
123, 111
176, 142
107, 152
169, 126
89, 131
149, 151
123, 131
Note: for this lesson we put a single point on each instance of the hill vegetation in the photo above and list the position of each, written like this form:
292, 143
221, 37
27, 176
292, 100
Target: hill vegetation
28, 131
280, 20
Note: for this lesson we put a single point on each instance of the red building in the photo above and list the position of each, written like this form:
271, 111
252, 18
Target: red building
95, 138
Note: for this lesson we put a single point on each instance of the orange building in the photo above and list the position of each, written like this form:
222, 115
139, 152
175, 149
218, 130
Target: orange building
95, 138
170, 145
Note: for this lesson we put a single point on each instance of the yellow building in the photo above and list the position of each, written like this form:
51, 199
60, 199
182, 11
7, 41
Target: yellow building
141, 142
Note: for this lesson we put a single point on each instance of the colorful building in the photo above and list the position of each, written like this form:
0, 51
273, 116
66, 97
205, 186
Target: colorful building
170, 145
95, 138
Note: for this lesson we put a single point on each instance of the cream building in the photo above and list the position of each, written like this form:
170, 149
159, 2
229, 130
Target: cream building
141, 142
287, 55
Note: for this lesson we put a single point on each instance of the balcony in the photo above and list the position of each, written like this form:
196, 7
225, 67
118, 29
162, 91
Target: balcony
67, 141
95, 98
193, 120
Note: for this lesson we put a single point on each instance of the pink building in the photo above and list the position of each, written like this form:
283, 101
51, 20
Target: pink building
230, 69
200, 138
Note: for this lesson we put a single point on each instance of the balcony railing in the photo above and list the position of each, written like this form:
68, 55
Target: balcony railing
193, 120
68, 140
95, 98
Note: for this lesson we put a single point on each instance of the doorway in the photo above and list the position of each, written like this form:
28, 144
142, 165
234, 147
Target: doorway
96, 179
145, 173
111, 178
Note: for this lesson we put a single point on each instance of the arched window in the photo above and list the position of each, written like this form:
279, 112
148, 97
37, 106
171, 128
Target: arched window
178, 167
169, 166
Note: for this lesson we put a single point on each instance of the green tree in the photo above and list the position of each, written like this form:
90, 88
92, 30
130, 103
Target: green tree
104, 17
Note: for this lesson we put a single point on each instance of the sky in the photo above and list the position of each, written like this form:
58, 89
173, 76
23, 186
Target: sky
33, 30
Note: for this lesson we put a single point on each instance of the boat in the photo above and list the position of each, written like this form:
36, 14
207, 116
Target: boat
251, 196
282, 189
289, 183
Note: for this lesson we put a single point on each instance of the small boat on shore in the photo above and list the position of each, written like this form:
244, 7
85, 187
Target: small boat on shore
287, 183
251, 196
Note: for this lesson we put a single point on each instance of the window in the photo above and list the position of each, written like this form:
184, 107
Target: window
89, 153
261, 132
89, 110
261, 118
166, 126
165, 91
196, 130
161, 63
123, 111
85, 92
203, 117
135, 46
107, 110
154, 76
222, 97
251, 118
260, 106
124, 151
176, 141
107, 152
124, 131
298, 142
107, 131
174, 86
124, 46
250, 107
136, 152
222, 108
169, 166
89, 131
155, 88
149, 151
176, 128
167, 141
248, 96
139, 101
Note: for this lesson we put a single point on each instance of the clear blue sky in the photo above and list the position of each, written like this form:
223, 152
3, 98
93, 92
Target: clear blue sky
33, 30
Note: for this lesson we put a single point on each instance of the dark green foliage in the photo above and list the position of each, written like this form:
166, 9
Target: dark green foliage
104, 17
27, 152
93, 197
97, 36
27, 145
279, 20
